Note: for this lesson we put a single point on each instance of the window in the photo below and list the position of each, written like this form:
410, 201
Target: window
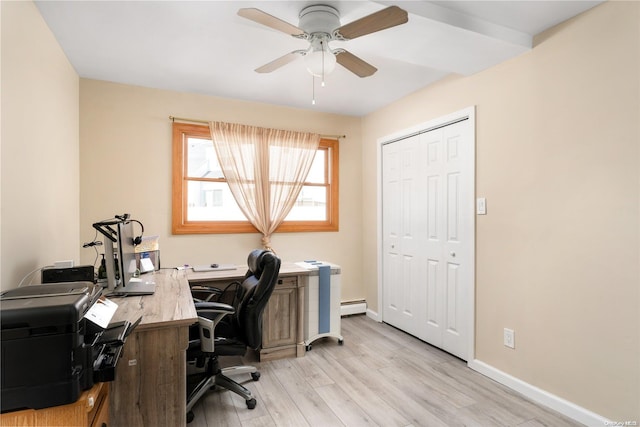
203, 203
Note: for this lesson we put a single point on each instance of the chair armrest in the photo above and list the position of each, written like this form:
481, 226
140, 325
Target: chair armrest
209, 315
214, 307
205, 293
206, 327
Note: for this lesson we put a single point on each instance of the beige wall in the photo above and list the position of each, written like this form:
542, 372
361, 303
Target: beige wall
40, 176
558, 160
125, 150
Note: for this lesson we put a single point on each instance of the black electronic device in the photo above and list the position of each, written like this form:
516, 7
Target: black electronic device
48, 348
108, 347
82, 273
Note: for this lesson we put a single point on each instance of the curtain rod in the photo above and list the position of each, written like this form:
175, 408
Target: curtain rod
184, 119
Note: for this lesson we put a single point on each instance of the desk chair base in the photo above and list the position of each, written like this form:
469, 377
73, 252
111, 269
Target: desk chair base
220, 378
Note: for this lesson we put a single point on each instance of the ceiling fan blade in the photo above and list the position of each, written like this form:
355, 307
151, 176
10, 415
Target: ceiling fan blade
270, 21
354, 64
280, 62
381, 20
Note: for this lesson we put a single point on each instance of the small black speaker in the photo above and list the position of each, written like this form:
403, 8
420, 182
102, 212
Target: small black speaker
82, 273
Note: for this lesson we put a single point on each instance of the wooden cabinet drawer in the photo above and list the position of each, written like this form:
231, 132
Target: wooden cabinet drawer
279, 318
287, 282
99, 416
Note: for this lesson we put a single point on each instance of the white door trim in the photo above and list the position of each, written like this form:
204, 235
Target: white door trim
466, 113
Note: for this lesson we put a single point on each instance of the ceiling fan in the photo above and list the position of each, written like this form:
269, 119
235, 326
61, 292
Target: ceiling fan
319, 25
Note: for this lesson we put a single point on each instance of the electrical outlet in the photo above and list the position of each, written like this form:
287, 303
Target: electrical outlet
509, 338
63, 264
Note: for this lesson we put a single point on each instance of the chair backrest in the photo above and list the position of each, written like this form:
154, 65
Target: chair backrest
257, 287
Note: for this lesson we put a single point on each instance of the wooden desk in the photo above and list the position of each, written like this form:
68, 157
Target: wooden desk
150, 384
282, 332
90, 410
284, 316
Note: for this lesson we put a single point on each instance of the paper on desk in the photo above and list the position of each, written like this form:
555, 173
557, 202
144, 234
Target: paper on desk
311, 265
220, 267
146, 265
101, 312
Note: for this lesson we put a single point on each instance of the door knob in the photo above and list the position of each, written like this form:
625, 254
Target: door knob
453, 254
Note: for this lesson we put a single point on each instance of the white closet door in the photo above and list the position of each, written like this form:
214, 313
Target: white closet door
434, 193
449, 166
403, 233
428, 235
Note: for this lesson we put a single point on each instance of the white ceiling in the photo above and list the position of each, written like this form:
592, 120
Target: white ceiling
205, 47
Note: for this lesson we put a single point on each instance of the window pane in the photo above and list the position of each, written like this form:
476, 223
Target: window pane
310, 206
202, 161
278, 161
211, 201
316, 173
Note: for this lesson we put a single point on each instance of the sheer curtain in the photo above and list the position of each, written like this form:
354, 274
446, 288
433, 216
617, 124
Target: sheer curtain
265, 170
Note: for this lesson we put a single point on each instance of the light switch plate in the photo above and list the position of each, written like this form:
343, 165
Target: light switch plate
481, 206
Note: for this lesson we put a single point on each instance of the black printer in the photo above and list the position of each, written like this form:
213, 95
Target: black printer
49, 352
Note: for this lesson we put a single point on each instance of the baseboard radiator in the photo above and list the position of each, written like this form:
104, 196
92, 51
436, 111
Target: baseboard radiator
348, 308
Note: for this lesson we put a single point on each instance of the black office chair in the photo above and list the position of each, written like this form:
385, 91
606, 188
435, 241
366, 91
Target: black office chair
228, 330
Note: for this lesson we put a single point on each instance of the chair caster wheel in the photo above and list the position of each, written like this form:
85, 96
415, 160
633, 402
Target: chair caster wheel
190, 416
251, 403
340, 342
308, 347
255, 376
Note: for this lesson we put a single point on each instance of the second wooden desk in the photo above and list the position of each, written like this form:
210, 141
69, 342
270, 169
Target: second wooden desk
283, 318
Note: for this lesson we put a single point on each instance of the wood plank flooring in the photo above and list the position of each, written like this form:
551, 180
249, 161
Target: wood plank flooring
380, 377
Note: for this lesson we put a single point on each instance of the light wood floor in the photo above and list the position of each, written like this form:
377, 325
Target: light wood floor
379, 377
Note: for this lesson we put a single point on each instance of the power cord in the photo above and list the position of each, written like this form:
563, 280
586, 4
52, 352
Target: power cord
31, 273
93, 245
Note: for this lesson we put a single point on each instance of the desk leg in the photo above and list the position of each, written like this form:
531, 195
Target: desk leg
150, 384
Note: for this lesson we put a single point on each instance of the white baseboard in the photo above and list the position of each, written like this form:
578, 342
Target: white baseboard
348, 308
373, 315
540, 396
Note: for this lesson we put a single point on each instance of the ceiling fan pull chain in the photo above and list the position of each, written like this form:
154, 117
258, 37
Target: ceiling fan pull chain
322, 45
313, 90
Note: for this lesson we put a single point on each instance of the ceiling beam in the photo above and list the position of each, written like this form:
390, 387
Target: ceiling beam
463, 21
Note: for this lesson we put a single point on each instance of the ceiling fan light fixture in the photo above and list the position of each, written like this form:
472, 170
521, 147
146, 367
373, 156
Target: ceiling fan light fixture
320, 62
